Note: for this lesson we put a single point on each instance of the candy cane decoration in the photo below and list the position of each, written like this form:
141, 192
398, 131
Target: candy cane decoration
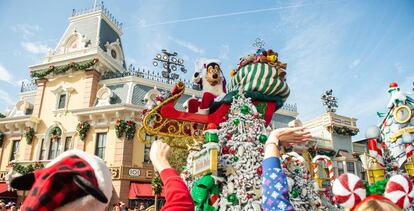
328, 163
374, 150
408, 150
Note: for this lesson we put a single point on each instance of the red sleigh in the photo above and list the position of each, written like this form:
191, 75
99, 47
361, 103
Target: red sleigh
166, 121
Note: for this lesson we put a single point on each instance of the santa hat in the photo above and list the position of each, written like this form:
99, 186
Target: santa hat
75, 180
392, 87
350, 192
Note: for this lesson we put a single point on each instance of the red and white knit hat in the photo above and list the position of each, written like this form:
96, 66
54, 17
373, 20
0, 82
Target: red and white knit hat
75, 180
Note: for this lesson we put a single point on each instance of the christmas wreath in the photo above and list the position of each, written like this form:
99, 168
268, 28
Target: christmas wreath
125, 127
29, 135
83, 128
55, 132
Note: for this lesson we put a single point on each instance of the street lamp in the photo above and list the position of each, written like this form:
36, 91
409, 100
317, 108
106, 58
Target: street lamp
170, 64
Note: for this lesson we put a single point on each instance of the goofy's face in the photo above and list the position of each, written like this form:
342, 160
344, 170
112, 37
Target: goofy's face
213, 74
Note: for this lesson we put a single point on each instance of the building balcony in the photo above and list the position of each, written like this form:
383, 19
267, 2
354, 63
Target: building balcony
18, 124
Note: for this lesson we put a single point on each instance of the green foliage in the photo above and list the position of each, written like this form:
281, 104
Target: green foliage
27, 169
64, 68
83, 128
127, 128
345, 131
2, 116
29, 135
55, 132
156, 184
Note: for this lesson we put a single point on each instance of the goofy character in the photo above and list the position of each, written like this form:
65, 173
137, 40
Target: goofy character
211, 81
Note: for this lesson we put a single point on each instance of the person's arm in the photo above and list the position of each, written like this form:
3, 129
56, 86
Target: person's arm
177, 195
274, 182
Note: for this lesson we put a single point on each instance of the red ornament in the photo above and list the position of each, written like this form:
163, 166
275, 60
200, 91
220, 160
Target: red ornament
225, 150
232, 151
249, 195
211, 126
393, 85
229, 136
261, 150
259, 171
225, 118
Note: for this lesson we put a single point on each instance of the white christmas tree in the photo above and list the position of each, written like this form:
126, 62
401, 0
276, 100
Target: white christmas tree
241, 138
303, 192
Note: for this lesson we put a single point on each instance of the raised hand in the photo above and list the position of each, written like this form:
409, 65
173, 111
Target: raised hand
159, 155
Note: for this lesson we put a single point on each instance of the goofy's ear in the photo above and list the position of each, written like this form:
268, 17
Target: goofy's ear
24, 182
87, 186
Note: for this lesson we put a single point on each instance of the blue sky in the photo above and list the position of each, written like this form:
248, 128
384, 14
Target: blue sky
354, 47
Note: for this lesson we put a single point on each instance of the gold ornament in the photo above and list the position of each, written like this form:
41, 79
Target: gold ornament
402, 114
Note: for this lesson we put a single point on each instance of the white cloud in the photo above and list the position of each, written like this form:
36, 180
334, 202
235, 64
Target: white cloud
5, 99
5, 75
354, 63
224, 52
35, 47
26, 29
188, 45
399, 67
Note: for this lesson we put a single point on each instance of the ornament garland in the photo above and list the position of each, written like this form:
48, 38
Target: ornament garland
82, 129
29, 134
76, 66
126, 128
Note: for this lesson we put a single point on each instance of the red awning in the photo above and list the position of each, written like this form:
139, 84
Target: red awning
5, 193
141, 190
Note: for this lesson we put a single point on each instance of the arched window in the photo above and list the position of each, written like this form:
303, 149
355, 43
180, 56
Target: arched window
53, 143
73, 43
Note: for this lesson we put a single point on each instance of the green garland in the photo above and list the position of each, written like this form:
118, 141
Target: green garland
64, 68
345, 131
55, 132
156, 184
125, 127
29, 135
83, 128
1, 138
23, 170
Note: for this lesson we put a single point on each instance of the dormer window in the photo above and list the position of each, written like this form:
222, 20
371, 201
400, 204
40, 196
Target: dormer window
62, 101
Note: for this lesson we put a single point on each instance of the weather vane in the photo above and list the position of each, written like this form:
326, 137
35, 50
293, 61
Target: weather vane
329, 101
259, 43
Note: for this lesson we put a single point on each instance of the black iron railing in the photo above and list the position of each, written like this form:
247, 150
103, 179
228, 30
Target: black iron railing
28, 86
149, 75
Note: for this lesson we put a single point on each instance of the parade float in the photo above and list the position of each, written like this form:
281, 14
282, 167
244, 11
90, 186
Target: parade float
389, 162
222, 149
